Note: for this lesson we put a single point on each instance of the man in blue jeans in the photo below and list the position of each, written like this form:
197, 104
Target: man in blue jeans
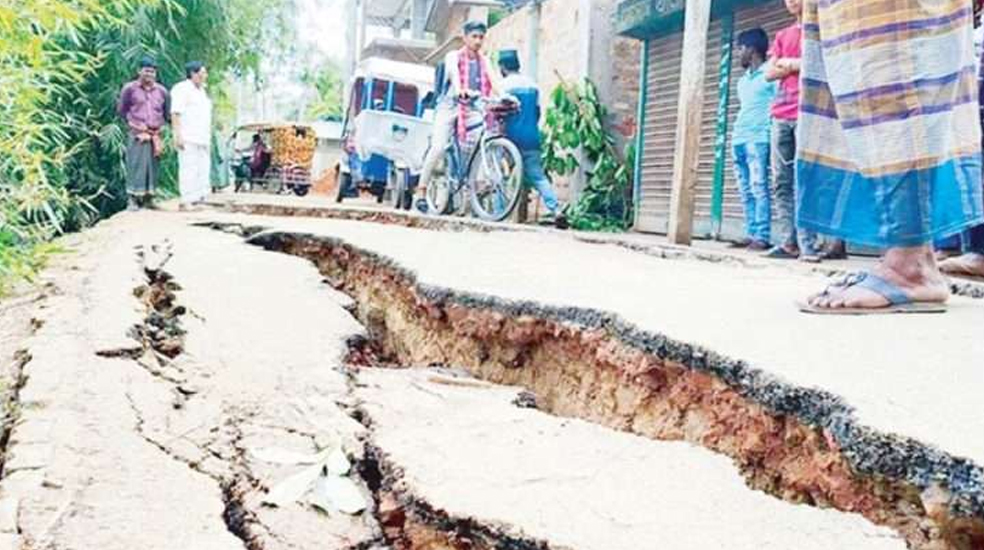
750, 140
523, 129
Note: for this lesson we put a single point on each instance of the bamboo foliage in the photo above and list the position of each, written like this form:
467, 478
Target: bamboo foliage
62, 64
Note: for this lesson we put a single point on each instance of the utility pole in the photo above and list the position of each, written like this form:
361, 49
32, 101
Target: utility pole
697, 19
418, 19
351, 37
533, 34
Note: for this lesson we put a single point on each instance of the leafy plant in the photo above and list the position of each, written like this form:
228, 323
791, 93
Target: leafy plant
62, 64
329, 86
575, 129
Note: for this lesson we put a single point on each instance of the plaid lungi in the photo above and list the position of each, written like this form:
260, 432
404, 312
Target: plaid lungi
142, 167
889, 134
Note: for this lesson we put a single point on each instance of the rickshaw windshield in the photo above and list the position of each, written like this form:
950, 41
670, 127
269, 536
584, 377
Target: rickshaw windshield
384, 96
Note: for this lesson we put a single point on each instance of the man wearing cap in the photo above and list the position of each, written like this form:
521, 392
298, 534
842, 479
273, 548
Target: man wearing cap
467, 76
523, 129
144, 106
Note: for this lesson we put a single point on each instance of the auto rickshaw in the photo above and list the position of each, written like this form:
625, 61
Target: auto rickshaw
398, 92
273, 157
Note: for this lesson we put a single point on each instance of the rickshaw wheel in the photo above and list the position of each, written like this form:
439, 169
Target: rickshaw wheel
301, 190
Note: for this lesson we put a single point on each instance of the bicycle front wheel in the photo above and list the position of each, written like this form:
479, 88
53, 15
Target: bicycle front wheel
438, 193
496, 178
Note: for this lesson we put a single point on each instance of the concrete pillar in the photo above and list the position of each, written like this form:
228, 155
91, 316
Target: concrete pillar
351, 38
363, 23
477, 13
533, 40
601, 65
584, 16
697, 19
418, 19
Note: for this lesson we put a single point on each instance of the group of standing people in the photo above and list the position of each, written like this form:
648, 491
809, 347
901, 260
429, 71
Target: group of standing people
873, 134
764, 144
147, 108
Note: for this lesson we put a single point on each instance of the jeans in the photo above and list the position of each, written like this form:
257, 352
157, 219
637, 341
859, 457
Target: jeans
536, 177
751, 162
974, 240
784, 170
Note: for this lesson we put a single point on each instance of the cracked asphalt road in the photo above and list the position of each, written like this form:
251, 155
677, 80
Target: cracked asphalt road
110, 454
113, 451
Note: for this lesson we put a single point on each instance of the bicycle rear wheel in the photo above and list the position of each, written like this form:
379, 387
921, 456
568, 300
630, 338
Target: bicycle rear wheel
496, 179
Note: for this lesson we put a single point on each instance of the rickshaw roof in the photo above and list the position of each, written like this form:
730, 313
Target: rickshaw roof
264, 126
421, 76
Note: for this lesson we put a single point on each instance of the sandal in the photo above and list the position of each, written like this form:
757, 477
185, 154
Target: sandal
811, 258
780, 253
898, 300
834, 254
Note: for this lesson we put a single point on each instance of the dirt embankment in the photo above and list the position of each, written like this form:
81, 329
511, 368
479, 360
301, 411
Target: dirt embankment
803, 446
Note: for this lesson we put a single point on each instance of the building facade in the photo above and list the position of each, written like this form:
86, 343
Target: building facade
658, 26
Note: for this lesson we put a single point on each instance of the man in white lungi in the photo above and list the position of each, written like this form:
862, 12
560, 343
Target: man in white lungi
191, 116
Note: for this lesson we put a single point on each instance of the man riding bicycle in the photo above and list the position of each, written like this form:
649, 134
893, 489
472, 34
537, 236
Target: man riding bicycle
467, 78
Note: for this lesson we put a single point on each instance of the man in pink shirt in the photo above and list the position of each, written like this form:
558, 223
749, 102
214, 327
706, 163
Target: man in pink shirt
784, 67
144, 106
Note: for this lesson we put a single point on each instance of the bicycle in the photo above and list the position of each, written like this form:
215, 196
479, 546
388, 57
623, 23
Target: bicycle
491, 173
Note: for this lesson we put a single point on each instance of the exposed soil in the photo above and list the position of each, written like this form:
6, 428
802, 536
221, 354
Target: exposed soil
800, 445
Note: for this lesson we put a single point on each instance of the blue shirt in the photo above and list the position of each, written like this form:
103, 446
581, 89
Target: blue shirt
755, 96
523, 128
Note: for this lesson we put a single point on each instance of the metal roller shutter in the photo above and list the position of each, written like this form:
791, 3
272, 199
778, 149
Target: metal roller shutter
705, 170
772, 17
660, 133
663, 81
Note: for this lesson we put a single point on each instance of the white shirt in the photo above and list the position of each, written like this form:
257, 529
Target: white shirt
194, 107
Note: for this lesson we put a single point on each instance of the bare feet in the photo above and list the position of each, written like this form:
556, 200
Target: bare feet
913, 270
968, 265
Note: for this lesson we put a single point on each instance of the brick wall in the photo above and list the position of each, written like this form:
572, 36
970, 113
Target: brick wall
623, 94
615, 60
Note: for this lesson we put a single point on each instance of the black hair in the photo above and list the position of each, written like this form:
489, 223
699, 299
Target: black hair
192, 67
147, 62
476, 26
756, 39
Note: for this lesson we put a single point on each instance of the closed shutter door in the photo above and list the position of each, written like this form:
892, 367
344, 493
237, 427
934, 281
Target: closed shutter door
772, 17
659, 139
660, 133
708, 134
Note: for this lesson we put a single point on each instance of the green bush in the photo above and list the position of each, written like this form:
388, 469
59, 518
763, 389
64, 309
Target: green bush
62, 64
575, 128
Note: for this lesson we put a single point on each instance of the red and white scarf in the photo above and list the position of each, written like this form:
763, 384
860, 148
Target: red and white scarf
465, 56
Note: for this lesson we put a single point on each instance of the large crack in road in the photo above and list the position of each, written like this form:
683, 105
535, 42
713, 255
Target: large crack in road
159, 341
222, 457
802, 446
516, 426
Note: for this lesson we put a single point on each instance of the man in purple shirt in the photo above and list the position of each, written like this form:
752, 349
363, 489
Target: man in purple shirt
144, 106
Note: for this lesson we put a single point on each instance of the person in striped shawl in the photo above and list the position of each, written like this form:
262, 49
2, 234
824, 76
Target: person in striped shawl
889, 143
